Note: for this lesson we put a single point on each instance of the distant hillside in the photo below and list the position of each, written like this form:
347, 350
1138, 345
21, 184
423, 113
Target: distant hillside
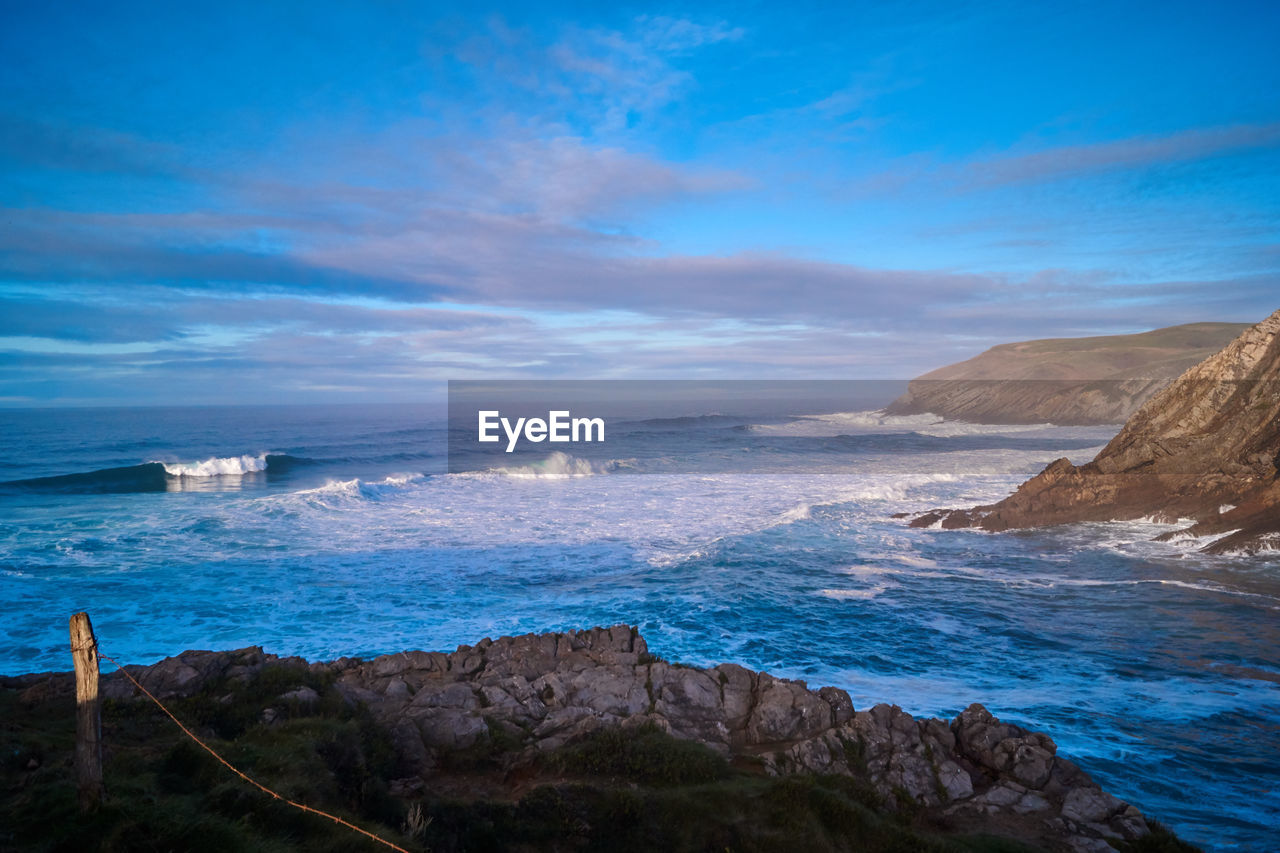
1096, 380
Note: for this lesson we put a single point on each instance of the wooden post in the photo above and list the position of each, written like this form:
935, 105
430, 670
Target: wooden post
88, 757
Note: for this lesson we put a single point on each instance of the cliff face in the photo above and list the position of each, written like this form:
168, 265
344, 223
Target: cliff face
1097, 380
518, 699
1206, 447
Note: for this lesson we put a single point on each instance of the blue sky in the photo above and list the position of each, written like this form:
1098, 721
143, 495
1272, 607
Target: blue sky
348, 202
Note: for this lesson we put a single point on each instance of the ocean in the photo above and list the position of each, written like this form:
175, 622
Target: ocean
762, 538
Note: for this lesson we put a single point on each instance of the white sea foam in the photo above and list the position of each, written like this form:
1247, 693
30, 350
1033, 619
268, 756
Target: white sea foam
1139, 536
861, 594
214, 466
558, 466
1055, 582
881, 571
844, 423
354, 489
1199, 542
798, 513
1265, 546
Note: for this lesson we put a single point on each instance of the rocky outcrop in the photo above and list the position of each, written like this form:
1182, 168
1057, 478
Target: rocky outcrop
533, 694
1206, 448
1099, 380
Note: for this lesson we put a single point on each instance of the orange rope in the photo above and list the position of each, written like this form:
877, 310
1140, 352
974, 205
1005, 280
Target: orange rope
238, 772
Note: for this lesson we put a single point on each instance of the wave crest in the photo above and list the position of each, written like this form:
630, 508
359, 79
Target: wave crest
218, 466
358, 489
558, 466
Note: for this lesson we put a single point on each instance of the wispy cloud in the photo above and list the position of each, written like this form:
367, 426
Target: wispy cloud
567, 180
32, 143
1066, 161
588, 79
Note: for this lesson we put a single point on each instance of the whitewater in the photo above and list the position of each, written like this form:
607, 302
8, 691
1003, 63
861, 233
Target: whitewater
769, 541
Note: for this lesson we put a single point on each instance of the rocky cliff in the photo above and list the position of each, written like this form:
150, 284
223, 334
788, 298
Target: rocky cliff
1098, 380
1205, 448
532, 695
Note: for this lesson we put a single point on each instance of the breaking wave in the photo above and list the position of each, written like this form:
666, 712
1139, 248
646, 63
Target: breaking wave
215, 466
558, 466
154, 476
354, 489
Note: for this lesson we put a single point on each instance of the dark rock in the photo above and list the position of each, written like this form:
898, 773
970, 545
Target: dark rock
303, 696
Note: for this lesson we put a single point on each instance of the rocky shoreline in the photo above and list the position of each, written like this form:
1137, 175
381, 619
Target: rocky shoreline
519, 698
1205, 448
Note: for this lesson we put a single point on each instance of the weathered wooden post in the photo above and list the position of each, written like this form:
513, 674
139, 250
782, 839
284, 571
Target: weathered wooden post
88, 757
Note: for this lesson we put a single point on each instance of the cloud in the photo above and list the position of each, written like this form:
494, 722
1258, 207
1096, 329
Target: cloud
530, 262
237, 348
107, 256
434, 214
927, 173
567, 180
395, 247
143, 315
1067, 161
669, 34
595, 80
75, 320
31, 143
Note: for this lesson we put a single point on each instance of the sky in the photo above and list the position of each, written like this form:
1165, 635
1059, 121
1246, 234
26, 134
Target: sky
353, 202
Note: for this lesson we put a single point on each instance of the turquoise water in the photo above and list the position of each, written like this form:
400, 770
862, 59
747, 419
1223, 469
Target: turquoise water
767, 541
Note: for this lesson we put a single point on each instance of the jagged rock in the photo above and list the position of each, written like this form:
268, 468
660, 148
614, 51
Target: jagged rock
1206, 447
955, 780
190, 671
785, 710
541, 692
841, 704
1030, 803
1090, 805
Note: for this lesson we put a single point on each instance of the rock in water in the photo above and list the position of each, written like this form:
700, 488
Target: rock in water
1206, 448
1099, 380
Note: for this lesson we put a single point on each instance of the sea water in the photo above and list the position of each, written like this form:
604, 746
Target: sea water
768, 541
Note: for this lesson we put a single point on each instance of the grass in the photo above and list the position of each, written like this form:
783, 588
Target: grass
737, 812
166, 793
645, 755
